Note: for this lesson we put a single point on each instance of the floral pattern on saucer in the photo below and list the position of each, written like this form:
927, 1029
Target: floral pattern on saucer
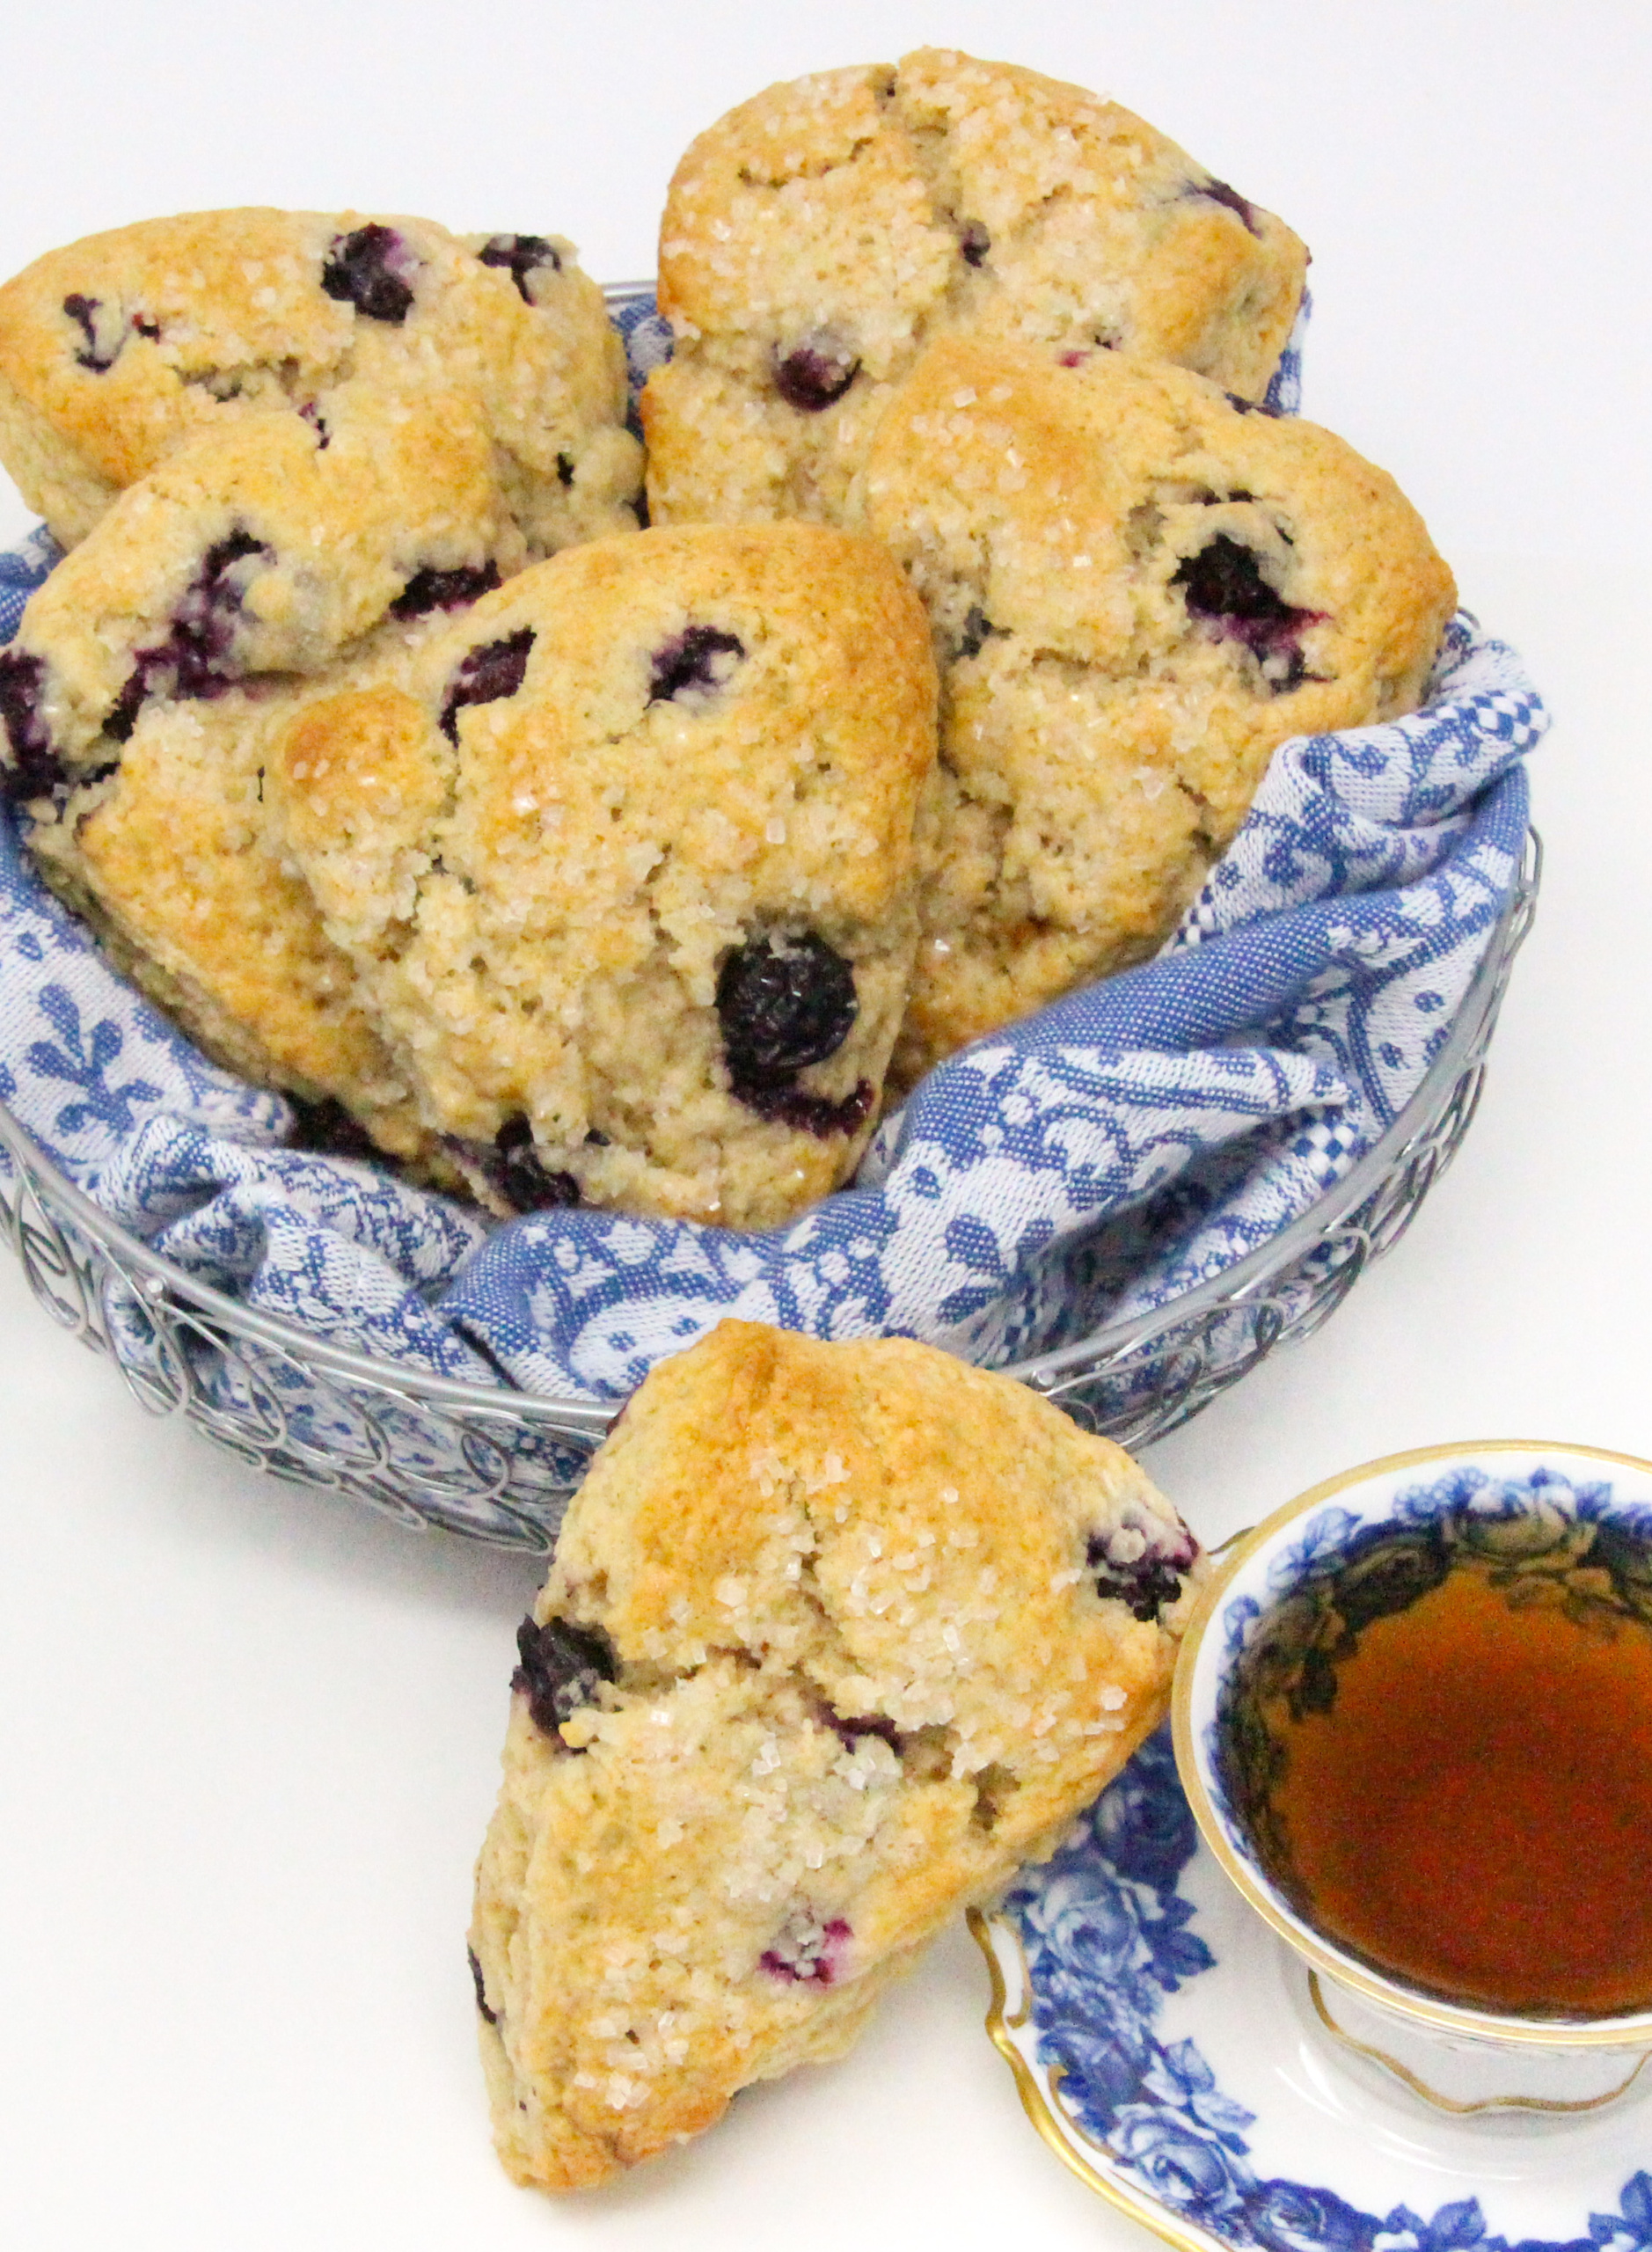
1107, 1937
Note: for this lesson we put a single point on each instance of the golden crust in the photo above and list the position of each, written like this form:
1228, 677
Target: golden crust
879, 209
861, 1671
1101, 740
541, 903
198, 321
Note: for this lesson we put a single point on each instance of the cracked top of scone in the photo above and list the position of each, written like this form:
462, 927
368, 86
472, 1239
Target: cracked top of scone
117, 349
265, 547
628, 865
1139, 587
818, 236
837, 1636
921, 1543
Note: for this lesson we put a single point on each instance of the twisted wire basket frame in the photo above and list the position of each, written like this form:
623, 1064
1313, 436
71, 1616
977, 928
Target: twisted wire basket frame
500, 1466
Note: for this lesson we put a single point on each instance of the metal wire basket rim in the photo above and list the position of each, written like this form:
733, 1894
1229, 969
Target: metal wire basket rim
559, 1412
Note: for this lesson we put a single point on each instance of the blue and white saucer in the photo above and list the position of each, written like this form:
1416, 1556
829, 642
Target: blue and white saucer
1165, 2045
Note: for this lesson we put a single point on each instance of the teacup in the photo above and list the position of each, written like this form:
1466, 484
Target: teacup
1563, 1537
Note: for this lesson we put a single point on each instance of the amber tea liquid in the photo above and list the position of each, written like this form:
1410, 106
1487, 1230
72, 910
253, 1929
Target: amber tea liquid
1474, 1814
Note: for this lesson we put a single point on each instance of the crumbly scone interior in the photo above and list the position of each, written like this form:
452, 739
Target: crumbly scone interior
1008, 206
696, 742
1075, 533
876, 1626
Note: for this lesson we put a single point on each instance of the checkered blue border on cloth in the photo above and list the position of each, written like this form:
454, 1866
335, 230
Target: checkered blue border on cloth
1092, 1162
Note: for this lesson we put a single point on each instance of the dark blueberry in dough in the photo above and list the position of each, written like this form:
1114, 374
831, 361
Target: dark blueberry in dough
520, 254
1224, 586
695, 662
481, 1992
524, 1179
360, 271
848, 1727
142, 325
33, 769
565, 469
562, 1666
810, 1114
976, 627
817, 369
432, 590
1217, 190
784, 1002
311, 414
805, 1951
1250, 406
195, 659
327, 1128
104, 338
973, 241
493, 670
1147, 1586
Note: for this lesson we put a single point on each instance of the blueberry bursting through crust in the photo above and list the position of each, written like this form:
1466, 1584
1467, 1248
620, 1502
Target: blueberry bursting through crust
359, 270
1223, 587
784, 1002
33, 768
561, 1667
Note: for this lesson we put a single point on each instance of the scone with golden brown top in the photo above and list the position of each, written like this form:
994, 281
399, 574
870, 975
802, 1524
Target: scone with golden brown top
628, 867
119, 348
1139, 588
836, 1637
817, 238
265, 547
171, 857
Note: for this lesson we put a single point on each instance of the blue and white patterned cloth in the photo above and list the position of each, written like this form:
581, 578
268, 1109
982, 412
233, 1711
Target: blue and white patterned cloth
1094, 1161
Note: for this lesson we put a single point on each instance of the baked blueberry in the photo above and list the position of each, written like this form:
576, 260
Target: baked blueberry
811, 1113
1217, 190
973, 241
805, 1951
784, 1001
33, 769
362, 270
519, 255
1223, 587
493, 670
196, 658
1148, 1583
816, 370
524, 1179
695, 662
104, 335
561, 1667
433, 589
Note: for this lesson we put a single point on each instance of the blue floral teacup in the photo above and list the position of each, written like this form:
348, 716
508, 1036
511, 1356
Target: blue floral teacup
1533, 1516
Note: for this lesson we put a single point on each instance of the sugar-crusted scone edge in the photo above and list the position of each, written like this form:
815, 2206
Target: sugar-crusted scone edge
1166, 270
372, 799
237, 299
1043, 512
689, 1545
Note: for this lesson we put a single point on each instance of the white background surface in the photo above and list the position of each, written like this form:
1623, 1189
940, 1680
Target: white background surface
248, 1737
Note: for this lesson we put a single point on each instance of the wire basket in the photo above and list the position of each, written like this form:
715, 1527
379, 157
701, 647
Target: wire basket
500, 1466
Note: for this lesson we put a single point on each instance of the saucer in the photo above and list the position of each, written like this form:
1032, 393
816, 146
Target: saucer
1166, 2045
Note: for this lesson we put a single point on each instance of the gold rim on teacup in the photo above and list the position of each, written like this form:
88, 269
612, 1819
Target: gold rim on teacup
1452, 2033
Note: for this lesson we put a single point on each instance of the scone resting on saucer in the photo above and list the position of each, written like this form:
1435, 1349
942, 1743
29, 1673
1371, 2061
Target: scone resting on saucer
628, 868
116, 350
837, 1636
818, 236
1139, 588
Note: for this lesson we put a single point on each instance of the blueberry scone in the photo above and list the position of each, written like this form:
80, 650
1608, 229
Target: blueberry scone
836, 1637
817, 238
169, 854
268, 547
1139, 587
628, 867
119, 348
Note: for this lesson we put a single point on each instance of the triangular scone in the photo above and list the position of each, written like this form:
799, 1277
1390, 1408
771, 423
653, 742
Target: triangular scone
836, 1637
